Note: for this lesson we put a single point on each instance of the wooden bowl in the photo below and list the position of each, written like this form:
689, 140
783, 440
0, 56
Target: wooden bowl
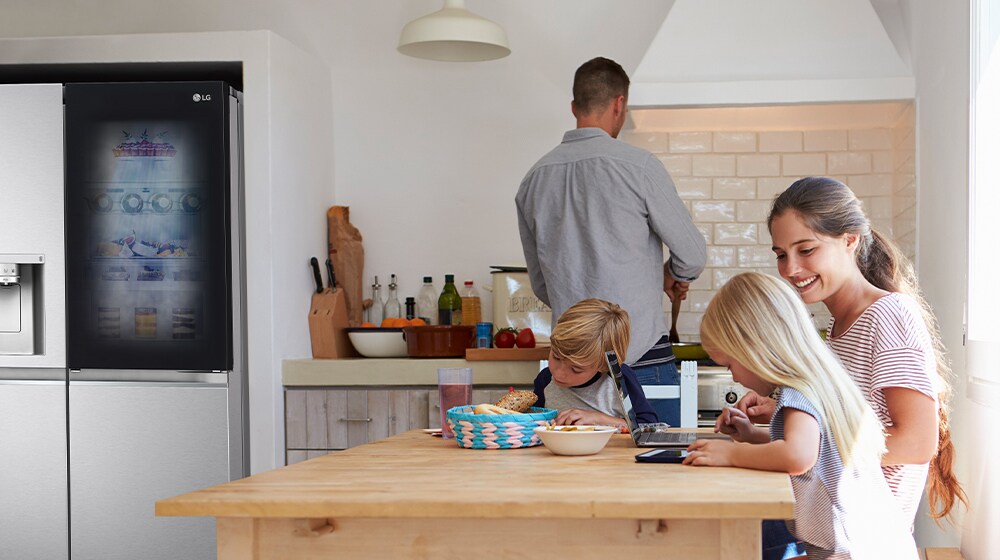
439, 341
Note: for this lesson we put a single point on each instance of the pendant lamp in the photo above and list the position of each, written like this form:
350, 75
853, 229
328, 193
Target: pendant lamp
453, 34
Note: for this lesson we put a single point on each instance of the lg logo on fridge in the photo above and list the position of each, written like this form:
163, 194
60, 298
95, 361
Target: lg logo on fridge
199, 97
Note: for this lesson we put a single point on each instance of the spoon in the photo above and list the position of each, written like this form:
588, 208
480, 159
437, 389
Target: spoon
675, 310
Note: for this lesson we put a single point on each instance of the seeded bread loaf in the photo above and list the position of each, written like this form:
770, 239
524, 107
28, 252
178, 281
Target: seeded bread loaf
520, 401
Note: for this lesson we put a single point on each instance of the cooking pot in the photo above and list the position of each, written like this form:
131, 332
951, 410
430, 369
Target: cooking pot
439, 341
689, 351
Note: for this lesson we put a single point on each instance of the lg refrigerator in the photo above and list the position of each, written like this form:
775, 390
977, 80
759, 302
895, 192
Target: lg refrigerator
155, 386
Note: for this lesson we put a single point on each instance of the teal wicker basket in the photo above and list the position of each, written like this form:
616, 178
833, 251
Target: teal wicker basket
497, 431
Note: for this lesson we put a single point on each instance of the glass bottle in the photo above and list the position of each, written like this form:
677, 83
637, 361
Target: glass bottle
427, 302
411, 308
377, 307
392, 301
471, 306
450, 303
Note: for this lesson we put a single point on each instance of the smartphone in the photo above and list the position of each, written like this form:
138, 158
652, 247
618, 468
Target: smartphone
663, 455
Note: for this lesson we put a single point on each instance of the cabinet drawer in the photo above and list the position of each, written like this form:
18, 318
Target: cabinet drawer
342, 418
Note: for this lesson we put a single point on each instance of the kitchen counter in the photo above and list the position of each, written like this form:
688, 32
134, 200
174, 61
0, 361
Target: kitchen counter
417, 496
372, 372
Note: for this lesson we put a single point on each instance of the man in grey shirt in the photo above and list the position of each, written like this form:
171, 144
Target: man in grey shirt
594, 214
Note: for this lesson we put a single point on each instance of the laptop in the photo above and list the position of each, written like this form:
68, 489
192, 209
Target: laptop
643, 435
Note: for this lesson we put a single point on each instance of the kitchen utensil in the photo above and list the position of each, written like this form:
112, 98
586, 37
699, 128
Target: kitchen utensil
329, 274
675, 310
439, 341
319, 280
378, 342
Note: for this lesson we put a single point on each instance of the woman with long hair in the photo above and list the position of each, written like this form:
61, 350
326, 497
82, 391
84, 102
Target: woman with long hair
881, 328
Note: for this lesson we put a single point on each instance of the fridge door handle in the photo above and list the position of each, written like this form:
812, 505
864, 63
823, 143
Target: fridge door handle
21, 376
150, 377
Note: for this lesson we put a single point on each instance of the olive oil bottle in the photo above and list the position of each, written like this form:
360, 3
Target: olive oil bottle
449, 303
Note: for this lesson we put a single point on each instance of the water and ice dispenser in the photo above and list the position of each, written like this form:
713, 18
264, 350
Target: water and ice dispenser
21, 321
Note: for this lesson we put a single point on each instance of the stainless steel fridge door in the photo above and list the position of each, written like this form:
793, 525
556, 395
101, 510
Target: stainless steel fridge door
31, 213
132, 443
33, 490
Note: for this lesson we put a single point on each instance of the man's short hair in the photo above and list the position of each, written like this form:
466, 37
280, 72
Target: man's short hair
596, 83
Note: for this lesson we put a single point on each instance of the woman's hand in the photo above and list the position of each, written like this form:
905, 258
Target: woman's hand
576, 416
710, 453
736, 424
758, 408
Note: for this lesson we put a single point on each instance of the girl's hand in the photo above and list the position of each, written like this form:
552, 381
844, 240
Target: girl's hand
575, 416
757, 407
735, 424
710, 453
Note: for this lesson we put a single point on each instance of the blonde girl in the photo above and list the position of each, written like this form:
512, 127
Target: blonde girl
822, 433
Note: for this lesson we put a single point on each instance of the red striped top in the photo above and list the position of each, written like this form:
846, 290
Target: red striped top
889, 346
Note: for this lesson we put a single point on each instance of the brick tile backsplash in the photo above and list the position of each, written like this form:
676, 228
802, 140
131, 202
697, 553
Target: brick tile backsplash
803, 165
765, 165
783, 141
849, 163
713, 210
713, 165
734, 142
690, 142
825, 140
728, 179
677, 166
732, 188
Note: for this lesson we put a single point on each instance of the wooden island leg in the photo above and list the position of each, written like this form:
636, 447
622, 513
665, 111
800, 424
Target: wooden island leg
236, 538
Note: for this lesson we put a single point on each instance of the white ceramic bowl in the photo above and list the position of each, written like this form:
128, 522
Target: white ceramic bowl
378, 342
575, 440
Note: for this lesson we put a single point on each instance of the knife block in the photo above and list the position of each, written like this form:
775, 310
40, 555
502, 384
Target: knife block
327, 324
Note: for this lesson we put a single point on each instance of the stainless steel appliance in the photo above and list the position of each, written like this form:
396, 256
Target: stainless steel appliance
134, 379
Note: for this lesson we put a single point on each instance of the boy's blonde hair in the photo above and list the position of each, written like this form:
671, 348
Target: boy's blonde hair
588, 329
759, 322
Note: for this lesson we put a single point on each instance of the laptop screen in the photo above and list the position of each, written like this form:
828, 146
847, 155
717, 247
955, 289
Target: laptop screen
615, 371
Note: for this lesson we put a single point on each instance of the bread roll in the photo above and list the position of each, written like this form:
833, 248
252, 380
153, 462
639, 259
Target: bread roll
520, 401
487, 408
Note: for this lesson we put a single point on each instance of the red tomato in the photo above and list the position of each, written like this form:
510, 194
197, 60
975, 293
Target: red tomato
505, 338
525, 339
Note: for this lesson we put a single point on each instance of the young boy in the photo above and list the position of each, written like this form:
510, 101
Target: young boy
576, 382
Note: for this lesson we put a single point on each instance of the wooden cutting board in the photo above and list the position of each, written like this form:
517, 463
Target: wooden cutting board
510, 354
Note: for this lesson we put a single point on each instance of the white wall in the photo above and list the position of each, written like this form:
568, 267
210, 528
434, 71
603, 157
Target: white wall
940, 47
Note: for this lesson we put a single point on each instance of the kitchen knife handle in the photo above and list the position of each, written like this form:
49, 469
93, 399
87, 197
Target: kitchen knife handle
319, 279
329, 273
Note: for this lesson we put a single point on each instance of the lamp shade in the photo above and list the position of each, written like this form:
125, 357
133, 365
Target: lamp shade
454, 34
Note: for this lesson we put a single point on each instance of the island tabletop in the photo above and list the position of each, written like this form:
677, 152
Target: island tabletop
417, 496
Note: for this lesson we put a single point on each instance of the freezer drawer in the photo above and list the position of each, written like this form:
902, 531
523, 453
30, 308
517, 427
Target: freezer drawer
33, 493
131, 444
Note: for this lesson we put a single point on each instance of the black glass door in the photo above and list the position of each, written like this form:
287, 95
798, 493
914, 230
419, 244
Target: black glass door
147, 226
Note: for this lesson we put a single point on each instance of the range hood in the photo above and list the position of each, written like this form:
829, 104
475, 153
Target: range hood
735, 52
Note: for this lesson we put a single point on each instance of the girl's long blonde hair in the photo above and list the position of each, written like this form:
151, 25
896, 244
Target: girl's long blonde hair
759, 322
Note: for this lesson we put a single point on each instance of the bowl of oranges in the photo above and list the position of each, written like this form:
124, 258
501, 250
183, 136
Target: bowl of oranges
382, 341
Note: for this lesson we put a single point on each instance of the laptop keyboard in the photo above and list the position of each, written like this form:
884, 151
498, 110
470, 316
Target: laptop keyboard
667, 437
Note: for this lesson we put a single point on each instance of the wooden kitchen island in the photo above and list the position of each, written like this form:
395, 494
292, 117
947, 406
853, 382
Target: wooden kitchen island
418, 496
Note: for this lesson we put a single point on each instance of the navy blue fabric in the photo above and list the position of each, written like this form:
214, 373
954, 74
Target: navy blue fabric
644, 411
777, 541
667, 410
